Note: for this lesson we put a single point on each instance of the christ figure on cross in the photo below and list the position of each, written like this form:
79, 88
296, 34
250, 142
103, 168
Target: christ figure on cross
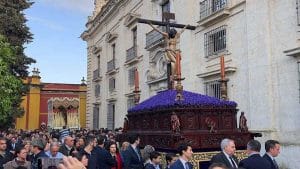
171, 39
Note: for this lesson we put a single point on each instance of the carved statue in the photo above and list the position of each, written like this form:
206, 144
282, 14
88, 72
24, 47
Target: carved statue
243, 123
211, 124
153, 73
171, 39
125, 125
175, 123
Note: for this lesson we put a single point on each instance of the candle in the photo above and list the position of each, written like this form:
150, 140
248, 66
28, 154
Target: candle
136, 80
222, 63
178, 65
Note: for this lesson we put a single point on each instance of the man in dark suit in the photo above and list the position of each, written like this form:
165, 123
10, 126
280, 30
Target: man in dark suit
5, 156
170, 159
132, 156
227, 156
100, 158
272, 150
67, 147
254, 161
185, 154
155, 160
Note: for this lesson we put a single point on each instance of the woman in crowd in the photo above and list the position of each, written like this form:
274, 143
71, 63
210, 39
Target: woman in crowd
19, 161
113, 150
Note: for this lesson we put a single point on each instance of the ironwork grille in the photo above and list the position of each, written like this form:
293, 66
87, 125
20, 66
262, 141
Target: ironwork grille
96, 74
153, 37
215, 41
209, 7
131, 53
111, 65
111, 116
96, 117
213, 88
131, 76
112, 84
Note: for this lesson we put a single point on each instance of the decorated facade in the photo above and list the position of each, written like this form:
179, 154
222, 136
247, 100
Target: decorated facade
53, 104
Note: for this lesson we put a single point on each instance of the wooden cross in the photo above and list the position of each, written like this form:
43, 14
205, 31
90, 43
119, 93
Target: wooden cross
166, 17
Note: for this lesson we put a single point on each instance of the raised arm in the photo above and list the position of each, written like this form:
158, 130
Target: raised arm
161, 32
183, 29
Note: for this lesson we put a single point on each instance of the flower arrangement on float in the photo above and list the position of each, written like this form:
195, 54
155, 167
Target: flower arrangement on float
166, 99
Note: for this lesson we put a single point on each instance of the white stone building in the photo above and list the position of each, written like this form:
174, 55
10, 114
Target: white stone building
260, 41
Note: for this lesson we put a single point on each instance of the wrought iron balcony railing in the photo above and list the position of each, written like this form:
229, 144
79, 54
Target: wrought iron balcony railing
153, 37
110, 65
131, 53
209, 7
96, 74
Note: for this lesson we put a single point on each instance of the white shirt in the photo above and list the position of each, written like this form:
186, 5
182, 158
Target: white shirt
183, 162
228, 158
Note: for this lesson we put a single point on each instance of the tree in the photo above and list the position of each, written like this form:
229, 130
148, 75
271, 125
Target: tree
14, 63
13, 27
10, 86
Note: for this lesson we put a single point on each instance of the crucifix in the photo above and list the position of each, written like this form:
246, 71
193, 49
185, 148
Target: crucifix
171, 36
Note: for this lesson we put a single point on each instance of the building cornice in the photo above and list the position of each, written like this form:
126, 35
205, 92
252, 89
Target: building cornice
107, 12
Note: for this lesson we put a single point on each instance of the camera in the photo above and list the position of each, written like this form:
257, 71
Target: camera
49, 163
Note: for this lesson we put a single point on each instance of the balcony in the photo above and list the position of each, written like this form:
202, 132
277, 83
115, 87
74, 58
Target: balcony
131, 55
96, 75
212, 10
111, 66
154, 38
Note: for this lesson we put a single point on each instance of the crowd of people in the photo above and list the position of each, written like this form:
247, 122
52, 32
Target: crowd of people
98, 149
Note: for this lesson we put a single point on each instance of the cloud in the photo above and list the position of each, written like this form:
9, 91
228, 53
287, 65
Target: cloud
82, 6
46, 23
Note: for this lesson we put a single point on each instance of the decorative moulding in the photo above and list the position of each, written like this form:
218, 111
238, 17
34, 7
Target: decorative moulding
96, 49
131, 18
111, 36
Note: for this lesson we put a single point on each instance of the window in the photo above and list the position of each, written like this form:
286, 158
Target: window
165, 7
215, 41
209, 7
111, 116
131, 76
113, 47
134, 36
96, 117
299, 78
218, 4
112, 84
97, 90
130, 102
213, 88
298, 12
98, 62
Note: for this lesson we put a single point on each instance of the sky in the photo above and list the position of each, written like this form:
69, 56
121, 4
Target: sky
60, 53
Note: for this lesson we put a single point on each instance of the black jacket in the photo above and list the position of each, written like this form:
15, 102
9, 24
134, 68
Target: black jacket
151, 166
8, 156
65, 151
221, 158
101, 159
266, 156
178, 165
34, 159
255, 161
131, 159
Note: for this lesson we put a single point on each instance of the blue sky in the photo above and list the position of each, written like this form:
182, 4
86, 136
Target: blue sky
57, 47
